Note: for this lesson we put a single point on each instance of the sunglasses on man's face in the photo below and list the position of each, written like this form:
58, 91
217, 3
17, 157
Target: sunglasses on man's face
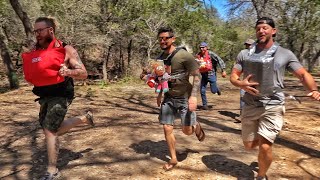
38, 31
164, 38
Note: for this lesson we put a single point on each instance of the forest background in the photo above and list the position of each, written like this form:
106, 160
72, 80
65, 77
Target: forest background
115, 38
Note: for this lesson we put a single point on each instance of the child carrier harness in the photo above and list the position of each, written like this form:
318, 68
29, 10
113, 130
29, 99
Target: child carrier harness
168, 60
41, 66
262, 69
205, 62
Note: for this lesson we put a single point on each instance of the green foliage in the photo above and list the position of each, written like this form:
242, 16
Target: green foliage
4, 7
14, 84
53, 8
129, 80
125, 31
90, 92
102, 84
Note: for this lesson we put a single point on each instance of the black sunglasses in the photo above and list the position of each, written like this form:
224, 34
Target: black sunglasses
164, 38
38, 31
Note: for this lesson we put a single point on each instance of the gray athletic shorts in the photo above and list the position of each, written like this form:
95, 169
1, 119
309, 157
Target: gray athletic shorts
266, 121
173, 107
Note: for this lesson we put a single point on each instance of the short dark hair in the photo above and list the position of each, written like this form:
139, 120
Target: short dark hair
164, 30
49, 21
265, 20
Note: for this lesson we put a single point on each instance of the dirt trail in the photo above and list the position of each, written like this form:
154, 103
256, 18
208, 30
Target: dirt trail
128, 142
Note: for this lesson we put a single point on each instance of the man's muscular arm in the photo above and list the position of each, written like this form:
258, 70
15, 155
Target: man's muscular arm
73, 66
308, 82
196, 83
195, 89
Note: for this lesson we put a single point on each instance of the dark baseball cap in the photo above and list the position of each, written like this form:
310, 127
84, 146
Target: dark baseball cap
265, 20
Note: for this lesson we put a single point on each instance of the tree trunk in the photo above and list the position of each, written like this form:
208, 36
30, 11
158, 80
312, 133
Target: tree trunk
262, 8
313, 61
121, 61
11, 74
129, 51
104, 65
25, 20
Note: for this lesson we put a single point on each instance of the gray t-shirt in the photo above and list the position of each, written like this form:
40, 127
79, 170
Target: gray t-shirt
284, 60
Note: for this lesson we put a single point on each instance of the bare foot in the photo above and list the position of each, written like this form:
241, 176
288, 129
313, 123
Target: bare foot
170, 165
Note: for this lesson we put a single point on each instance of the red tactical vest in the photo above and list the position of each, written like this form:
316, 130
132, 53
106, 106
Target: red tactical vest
41, 66
205, 63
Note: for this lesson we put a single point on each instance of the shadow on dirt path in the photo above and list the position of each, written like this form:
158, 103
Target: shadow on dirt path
128, 142
158, 150
228, 166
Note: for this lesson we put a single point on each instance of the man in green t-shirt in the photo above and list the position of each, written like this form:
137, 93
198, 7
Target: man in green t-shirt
181, 99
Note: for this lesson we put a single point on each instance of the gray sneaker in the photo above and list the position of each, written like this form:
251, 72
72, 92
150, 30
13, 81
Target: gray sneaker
49, 176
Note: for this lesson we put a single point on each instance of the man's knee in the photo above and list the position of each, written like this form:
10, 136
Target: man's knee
49, 133
265, 145
168, 129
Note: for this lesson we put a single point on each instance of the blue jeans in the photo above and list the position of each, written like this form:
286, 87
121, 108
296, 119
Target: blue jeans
212, 79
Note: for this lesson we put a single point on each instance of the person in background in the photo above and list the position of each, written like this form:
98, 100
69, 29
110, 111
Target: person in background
211, 75
262, 115
248, 43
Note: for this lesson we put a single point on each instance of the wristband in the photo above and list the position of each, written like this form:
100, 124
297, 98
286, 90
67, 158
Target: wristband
313, 90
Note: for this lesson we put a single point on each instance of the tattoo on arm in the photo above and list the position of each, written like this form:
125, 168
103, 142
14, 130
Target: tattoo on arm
196, 83
77, 65
77, 70
76, 55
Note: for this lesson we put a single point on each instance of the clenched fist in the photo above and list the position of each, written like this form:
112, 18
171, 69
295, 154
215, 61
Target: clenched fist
64, 71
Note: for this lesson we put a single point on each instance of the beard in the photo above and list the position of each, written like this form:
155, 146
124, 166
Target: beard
44, 41
165, 47
265, 40
48, 39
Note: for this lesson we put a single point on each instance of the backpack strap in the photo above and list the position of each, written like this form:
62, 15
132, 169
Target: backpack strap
272, 50
64, 44
167, 61
270, 53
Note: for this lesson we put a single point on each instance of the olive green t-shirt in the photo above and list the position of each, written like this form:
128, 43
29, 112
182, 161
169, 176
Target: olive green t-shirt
181, 63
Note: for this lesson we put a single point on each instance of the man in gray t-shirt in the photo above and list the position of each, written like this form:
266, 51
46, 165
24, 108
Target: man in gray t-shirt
283, 59
264, 66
